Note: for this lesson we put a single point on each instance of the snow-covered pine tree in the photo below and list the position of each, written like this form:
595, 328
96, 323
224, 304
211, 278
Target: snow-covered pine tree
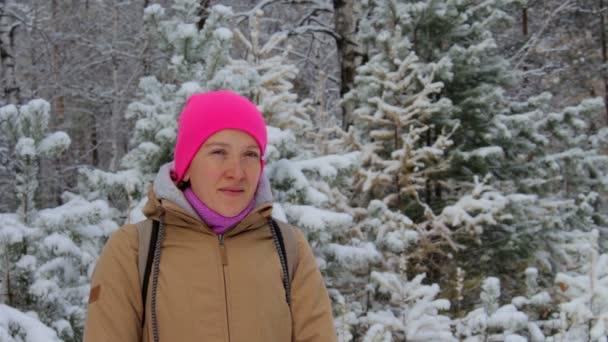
192, 54
539, 163
584, 312
555, 211
491, 321
393, 113
555, 162
575, 163
68, 239
26, 129
459, 36
462, 32
413, 310
17, 326
46, 255
411, 132
538, 305
266, 75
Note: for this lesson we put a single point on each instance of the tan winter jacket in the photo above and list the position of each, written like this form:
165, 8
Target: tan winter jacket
207, 291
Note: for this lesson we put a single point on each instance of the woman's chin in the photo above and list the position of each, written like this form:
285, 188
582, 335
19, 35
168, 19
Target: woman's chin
231, 210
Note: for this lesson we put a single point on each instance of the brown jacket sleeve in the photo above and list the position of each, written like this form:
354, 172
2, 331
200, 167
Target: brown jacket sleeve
310, 304
115, 308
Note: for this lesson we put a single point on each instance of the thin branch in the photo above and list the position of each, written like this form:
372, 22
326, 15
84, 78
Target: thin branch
523, 52
260, 6
314, 28
313, 14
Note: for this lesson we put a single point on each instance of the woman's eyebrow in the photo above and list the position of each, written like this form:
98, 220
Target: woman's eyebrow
220, 144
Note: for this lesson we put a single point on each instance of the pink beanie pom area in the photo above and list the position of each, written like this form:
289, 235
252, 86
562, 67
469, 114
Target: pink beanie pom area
205, 114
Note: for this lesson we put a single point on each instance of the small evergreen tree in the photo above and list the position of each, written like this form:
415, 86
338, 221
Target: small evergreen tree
585, 290
492, 321
17, 326
413, 310
26, 130
68, 240
47, 255
548, 154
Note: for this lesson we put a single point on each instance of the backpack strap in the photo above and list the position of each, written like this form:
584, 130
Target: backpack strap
291, 246
147, 232
285, 241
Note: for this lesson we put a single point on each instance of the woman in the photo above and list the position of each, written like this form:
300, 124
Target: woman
216, 274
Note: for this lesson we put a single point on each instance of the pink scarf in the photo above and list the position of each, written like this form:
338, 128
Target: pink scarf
217, 222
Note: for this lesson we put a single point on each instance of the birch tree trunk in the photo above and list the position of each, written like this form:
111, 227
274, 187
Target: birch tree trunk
116, 114
8, 27
524, 20
55, 66
346, 28
146, 53
601, 10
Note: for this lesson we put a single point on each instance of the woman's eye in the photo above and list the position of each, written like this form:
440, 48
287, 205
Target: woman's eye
254, 155
219, 152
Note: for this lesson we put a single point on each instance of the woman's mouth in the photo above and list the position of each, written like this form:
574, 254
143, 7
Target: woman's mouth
232, 191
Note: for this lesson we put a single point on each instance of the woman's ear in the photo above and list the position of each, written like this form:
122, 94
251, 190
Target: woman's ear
185, 182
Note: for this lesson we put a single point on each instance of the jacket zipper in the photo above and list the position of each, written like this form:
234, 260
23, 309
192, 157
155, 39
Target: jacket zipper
224, 257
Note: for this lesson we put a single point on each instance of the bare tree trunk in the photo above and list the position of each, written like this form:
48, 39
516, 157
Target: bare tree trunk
56, 180
524, 20
116, 114
55, 65
604, 53
31, 52
346, 27
94, 143
146, 58
7, 61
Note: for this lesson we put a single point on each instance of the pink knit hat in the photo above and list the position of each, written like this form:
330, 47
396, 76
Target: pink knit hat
208, 113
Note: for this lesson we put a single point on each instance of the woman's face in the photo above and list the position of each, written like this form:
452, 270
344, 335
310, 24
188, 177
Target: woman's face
225, 171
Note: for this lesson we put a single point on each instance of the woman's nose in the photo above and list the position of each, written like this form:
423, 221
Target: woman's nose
235, 168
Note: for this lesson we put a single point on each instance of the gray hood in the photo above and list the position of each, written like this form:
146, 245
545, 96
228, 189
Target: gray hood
164, 188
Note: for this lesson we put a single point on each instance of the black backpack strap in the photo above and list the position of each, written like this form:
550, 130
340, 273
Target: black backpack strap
148, 269
278, 233
290, 242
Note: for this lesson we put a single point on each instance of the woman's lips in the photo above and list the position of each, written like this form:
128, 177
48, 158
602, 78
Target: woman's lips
232, 192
